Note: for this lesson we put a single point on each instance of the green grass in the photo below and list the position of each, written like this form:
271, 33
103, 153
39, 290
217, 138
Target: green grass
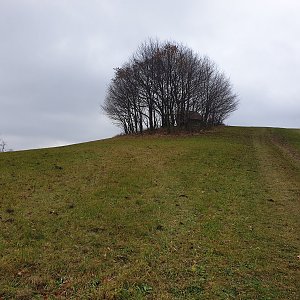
213, 216
291, 136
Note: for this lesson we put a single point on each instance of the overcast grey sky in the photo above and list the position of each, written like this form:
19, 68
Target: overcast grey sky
57, 59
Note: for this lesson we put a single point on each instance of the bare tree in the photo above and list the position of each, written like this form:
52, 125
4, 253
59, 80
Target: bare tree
2, 146
162, 84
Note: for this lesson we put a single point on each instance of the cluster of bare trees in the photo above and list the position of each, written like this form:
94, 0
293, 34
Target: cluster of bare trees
162, 84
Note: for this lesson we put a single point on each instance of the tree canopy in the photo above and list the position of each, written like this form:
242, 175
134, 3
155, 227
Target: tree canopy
163, 84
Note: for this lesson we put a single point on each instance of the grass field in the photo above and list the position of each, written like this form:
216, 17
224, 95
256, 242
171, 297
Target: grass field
210, 216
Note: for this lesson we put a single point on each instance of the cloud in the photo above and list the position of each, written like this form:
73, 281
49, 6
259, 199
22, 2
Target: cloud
57, 58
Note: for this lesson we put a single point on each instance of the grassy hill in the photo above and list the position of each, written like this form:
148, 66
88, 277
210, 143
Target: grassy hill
213, 216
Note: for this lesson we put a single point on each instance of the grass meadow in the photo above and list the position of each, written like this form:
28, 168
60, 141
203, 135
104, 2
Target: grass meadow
207, 216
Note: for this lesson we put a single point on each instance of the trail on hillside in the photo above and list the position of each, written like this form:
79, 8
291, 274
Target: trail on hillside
280, 166
280, 169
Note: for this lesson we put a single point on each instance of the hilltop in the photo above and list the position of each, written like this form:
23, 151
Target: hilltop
210, 216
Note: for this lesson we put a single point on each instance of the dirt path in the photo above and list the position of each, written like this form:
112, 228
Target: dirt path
280, 169
280, 166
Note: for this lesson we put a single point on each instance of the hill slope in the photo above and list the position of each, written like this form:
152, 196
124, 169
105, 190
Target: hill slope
214, 216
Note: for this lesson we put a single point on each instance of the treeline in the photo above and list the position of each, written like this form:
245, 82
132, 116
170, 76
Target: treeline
163, 84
